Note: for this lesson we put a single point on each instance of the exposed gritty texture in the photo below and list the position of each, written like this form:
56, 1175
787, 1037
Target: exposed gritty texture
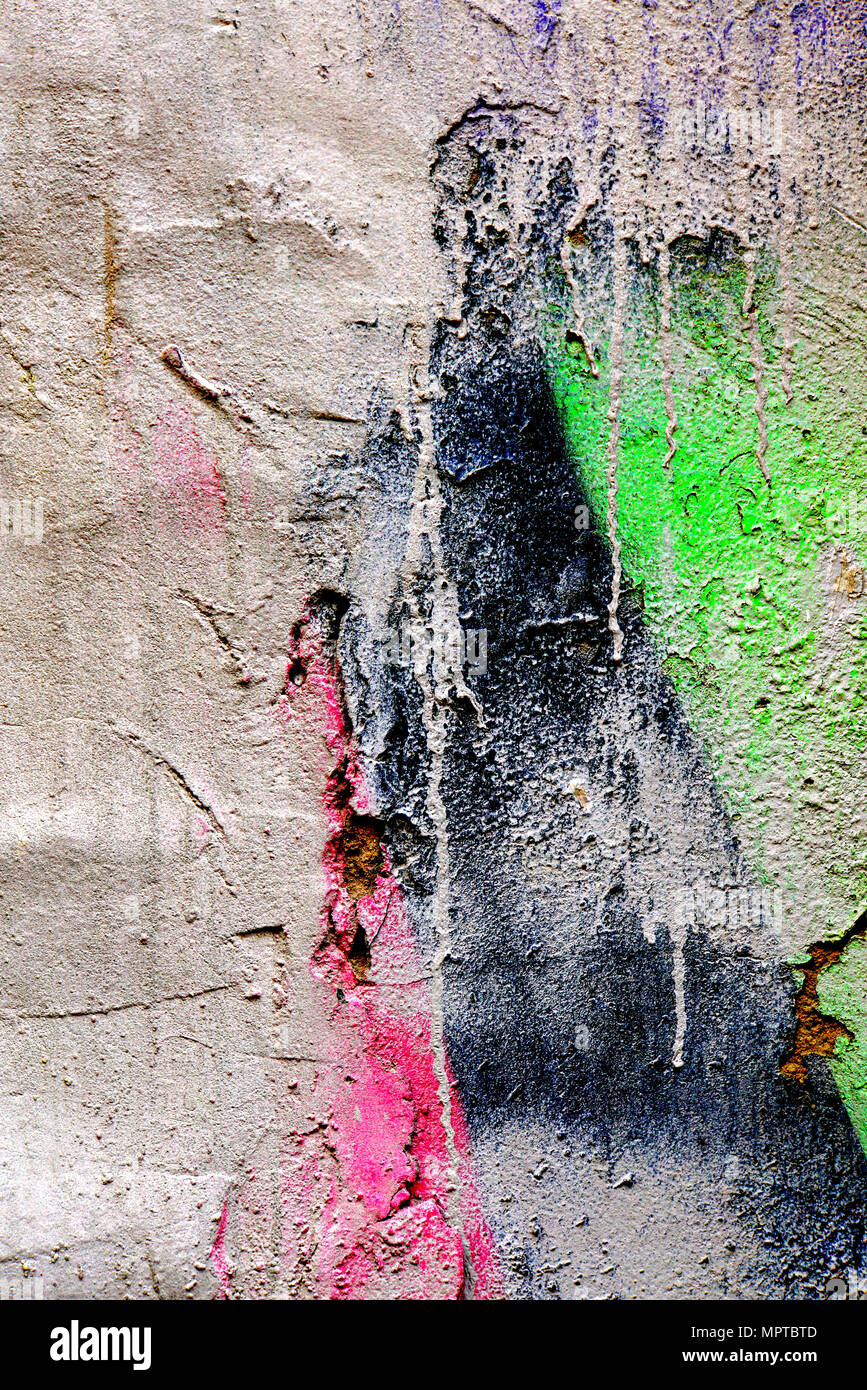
324, 975
575, 814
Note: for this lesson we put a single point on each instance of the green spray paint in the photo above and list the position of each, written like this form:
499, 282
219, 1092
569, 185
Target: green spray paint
753, 592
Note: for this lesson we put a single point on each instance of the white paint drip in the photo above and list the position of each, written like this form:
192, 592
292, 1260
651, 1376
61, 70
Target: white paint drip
402, 402
679, 972
757, 359
788, 297
437, 683
790, 163
615, 392
665, 349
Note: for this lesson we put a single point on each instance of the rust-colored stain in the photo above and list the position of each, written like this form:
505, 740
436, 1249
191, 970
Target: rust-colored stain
355, 848
817, 1033
360, 847
851, 580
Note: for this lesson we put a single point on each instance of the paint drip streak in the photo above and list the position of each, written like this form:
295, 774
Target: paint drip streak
615, 393
435, 686
679, 973
751, 315
665, 350
788, 296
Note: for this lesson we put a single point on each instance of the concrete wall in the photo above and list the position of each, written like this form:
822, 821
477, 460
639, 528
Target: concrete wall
434, 492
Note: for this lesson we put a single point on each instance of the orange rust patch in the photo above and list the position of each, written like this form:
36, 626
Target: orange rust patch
851, 580
360, 848
817, 1033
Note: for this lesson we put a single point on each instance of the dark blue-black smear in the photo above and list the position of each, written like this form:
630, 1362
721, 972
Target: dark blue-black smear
541, 953
521, 976
532, 962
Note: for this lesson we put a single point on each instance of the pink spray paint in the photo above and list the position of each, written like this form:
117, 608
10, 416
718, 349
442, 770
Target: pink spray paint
219, 1258
385, 1227
186, 475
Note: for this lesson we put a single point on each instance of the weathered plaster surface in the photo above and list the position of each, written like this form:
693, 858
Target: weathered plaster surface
322, 977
